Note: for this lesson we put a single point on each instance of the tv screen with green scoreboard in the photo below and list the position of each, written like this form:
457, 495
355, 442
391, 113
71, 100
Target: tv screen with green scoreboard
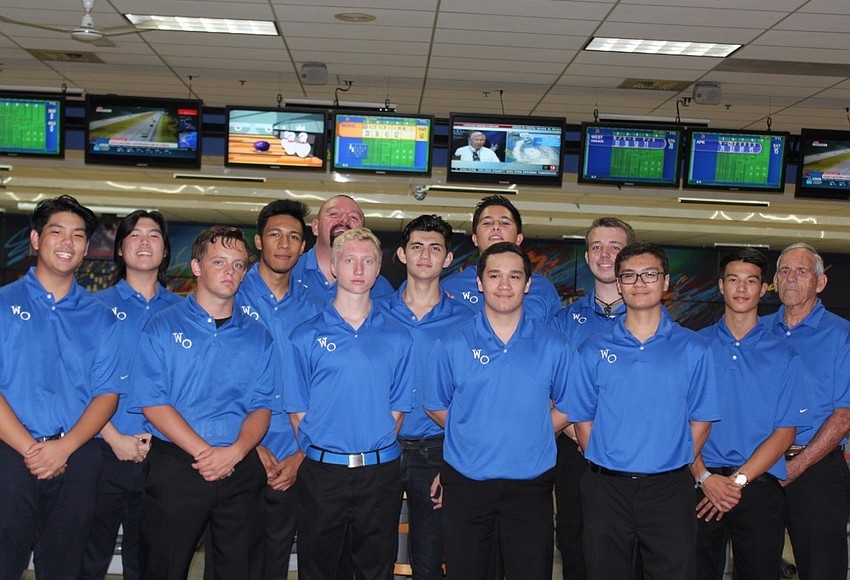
630, 155
382, 143
736, 160
32, 125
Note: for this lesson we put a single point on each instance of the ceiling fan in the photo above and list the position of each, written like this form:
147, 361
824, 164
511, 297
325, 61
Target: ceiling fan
86, 31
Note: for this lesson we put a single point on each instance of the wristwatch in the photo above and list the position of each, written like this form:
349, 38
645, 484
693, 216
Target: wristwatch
740, 478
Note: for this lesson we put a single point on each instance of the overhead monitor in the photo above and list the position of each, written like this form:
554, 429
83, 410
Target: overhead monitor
32, 125
736, 160
143, 131
624, 154
506, 149
276, 138
824, 169
382, 143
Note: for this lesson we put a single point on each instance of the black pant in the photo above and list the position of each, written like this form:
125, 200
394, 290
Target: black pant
360, 505
421, 461
569, 519
817, 505
119, 498
179, 504
281, 523
655, 513
49, 518
515, 515
756, 528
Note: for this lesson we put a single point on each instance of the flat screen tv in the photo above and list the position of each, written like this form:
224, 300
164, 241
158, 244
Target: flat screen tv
276, 138
737, 160
141, 131
382, 143
506, 149
32, 125
824, 169
630, 155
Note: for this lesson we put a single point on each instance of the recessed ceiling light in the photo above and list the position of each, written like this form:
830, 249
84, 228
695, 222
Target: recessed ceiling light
191, 24
665, 47
355, 17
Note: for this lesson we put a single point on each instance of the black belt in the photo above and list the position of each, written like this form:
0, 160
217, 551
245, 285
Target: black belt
50, 437
423, 443
726, 471
632, 475
795, 450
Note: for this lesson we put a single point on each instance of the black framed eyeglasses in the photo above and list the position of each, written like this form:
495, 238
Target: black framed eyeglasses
629, 278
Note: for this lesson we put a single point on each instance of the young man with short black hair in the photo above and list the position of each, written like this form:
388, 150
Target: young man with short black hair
494, 220
643, 396
59, 385
425, 310
498, 384
763, 403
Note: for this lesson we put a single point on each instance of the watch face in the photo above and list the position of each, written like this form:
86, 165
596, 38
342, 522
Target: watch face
741, 479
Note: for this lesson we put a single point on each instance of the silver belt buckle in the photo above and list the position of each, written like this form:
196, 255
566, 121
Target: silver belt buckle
356, 460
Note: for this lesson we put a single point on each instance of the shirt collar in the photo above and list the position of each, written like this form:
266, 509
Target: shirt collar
749, 340
126, 291
332, 317
664, 330
38, 292
812, 319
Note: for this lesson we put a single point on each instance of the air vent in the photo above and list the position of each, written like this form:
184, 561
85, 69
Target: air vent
655, 85
63, 56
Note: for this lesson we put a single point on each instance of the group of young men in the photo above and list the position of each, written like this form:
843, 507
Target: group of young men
302, 394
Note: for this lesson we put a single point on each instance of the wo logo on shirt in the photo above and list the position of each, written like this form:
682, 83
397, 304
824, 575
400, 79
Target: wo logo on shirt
22, 314
482, 358
326, 344
470, 298
579, 318
118, 314
184, 342
608, 356
249, 311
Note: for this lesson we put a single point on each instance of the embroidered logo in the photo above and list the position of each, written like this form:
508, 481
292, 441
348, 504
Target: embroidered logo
118, 314
22, 314
249, 311
482, 358
326, 344
608, 356
184, 342
469, 297
579, 318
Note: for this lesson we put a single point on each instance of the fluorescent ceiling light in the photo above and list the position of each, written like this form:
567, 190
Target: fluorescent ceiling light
191, 24
666, 47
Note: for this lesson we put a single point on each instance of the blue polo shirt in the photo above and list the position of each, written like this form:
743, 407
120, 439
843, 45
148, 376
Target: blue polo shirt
214, 377
541, 302
641, 396
55, 356
584, 318
132, 311
822, 341
348, 381
307, 273
498, 395
257, 301
446, 315
760, 381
